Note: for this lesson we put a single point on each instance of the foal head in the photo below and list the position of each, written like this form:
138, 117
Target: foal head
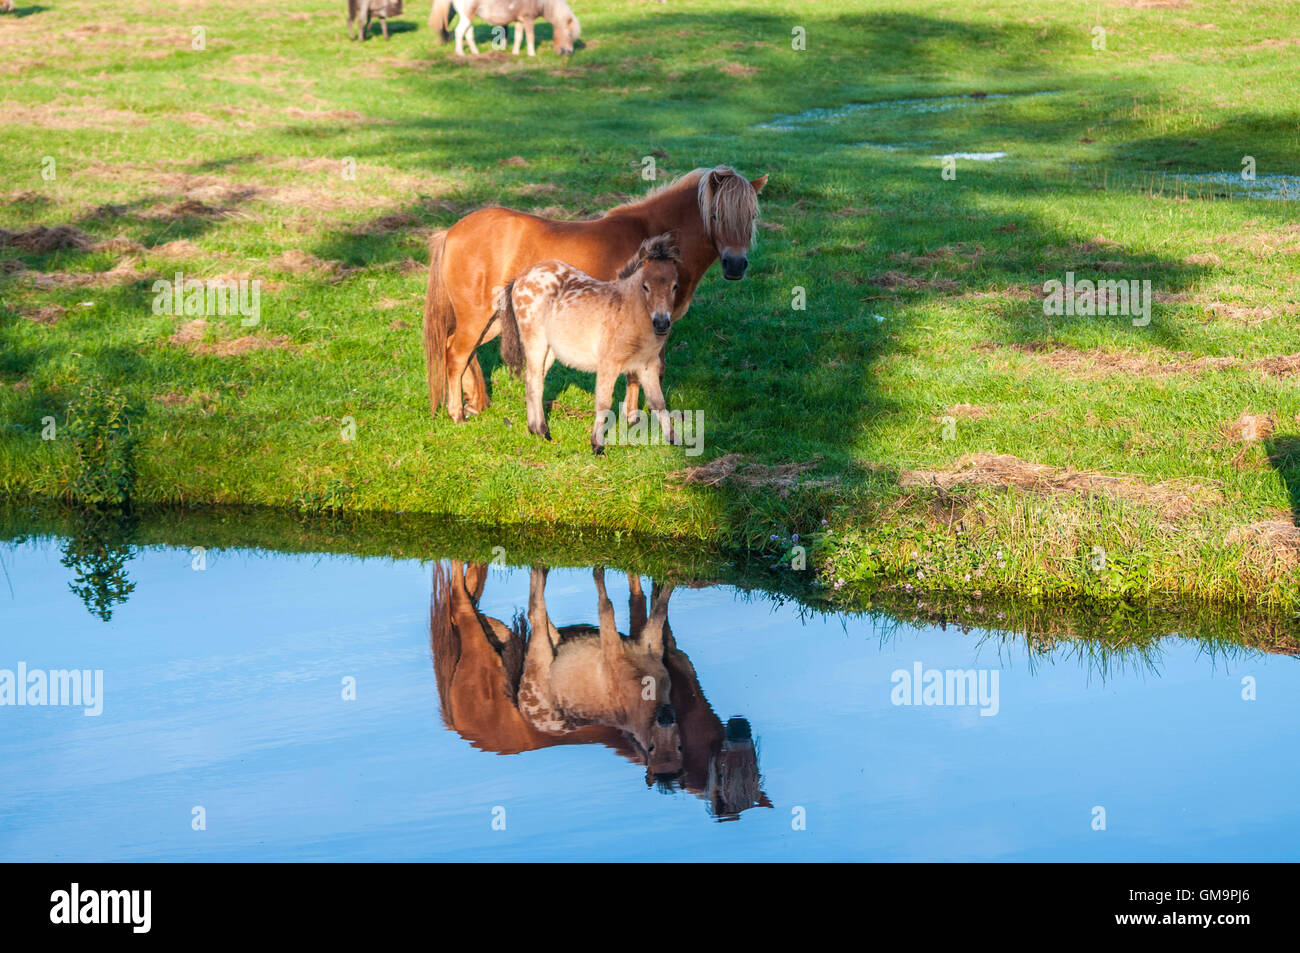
654, 278
729, 207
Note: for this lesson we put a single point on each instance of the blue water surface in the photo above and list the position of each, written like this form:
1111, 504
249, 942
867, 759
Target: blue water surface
224, 689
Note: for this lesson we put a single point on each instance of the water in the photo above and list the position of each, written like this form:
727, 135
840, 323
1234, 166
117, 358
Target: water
911, 106
225, 674
1279, 188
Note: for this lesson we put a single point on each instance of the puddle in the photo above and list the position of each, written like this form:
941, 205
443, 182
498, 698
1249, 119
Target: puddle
1282, 188
974, 156
915, 106
318, 706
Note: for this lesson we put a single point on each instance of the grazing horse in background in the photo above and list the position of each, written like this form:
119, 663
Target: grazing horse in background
610, 327
711, 212
361, 12
522, 13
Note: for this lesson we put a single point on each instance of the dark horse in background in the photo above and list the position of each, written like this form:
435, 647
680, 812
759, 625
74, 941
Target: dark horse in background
483, 666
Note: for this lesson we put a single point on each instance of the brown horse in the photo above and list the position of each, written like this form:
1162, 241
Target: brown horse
479, 662
711, 211
609, 327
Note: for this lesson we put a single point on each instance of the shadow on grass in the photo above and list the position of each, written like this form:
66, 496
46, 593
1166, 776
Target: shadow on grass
1284, 455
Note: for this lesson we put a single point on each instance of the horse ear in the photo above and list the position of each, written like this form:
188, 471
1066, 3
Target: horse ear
759, 183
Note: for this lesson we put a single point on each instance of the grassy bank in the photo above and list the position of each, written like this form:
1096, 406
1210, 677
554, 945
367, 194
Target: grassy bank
1118, 462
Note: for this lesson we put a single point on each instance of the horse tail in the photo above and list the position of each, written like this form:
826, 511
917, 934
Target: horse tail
439, 320
512, 348
438, 18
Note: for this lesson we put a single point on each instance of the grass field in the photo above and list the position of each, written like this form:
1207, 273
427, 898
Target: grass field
1117, 462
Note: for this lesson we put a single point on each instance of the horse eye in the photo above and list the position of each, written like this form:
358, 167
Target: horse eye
674, 286
652, 747
646, 287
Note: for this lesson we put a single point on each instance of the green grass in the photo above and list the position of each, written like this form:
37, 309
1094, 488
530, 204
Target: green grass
259, 126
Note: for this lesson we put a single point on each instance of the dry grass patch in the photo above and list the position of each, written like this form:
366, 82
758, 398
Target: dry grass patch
193, 336
1174, 499
1099, 363
735, 469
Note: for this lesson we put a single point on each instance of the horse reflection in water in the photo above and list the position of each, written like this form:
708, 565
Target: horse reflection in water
529, 685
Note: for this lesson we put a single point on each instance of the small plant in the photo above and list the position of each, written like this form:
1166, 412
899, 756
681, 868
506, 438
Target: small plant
99, 427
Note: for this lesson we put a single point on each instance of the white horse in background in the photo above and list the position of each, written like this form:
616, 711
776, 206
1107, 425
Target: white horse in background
522, 13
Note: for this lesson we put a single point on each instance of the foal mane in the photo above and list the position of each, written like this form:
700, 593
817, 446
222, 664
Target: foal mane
660, 248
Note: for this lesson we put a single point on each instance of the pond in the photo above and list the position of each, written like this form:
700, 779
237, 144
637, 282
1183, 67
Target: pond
243, 703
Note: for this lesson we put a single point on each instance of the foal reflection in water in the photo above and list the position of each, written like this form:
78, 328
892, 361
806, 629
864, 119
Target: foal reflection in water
529, 685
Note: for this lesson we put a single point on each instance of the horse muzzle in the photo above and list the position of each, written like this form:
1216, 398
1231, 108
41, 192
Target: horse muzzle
662, 323
733, 267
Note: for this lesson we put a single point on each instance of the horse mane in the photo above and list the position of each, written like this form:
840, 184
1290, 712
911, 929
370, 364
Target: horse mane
734, 201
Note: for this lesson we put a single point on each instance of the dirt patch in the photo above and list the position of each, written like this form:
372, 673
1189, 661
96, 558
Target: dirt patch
124, 272
897, 279
47, 238
1175, 499
1099, 363
735, 469
193, 336
1250, 428
299, 262
180, 248
737, 69
1273, 543
966, 412
388, 224
48, 314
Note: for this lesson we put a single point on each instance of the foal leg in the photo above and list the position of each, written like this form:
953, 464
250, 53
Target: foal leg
605, 380
654, 398
384, 23
536, 364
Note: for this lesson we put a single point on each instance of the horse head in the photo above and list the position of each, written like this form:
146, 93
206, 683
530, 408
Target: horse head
729, 206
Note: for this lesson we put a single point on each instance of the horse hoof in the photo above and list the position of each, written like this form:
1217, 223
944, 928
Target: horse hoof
598, 451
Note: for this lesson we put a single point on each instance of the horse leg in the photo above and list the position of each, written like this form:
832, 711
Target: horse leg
462, 26
519, 36
384, 23
605, 379
469, 35
476, 399
632, 398
654, 398
635, 606
460, 352
532, 50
